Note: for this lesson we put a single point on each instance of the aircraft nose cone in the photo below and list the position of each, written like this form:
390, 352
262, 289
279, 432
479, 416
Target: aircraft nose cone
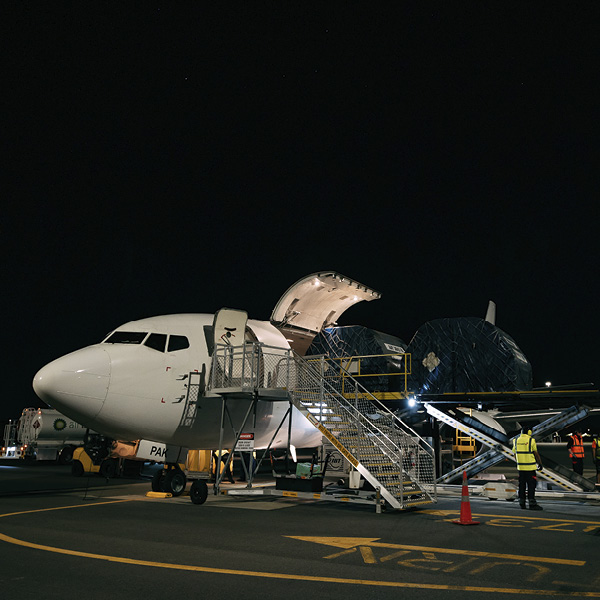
76, 384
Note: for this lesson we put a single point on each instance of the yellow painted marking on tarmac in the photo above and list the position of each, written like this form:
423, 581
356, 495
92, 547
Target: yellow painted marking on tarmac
594, 584
543, 573
507, 522
556, 527
299, 577
439, 513
429, 562
350, 542
339, 542
350, 551
445, 513
458, 566
27, 512
539, 573
528, 518
395, 555
367, 555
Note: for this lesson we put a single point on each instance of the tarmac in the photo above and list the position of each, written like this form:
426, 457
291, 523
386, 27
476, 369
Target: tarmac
66, 537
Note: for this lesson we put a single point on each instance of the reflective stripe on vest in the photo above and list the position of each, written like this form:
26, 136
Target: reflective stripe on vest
596, 448
522, 448
577, 447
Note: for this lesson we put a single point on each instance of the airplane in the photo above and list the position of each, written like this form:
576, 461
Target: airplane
133, 384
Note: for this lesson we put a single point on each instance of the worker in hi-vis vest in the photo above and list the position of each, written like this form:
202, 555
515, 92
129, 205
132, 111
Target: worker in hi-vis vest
528, 460
576, 452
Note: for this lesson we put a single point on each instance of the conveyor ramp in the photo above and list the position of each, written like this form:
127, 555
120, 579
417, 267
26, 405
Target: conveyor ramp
500, 446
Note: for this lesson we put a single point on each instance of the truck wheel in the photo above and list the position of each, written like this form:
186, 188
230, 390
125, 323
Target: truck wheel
198, 492
174, 483
66, 455
77, 469
108, 468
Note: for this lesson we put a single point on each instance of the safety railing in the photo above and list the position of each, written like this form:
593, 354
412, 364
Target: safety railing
365, 367
251, 366
371, 434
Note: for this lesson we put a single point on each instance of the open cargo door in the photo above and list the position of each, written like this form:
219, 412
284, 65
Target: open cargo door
314, 302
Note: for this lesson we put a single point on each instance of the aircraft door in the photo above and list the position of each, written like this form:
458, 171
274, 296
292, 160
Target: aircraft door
229, 330
229, 327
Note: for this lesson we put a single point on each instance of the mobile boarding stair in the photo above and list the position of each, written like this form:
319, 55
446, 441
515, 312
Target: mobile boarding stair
500, 446
396, 462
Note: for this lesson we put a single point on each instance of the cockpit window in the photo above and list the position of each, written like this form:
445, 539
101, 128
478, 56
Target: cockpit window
156, 341
126, 337
178, 342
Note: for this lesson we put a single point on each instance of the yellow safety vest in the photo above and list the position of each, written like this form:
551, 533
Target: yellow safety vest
524, 447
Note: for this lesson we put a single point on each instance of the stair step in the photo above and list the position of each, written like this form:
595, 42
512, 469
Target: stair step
363, 431
389, 486
426, 501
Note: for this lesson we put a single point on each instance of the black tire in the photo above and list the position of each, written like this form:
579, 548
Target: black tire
66, 455
156, 483
108, 468
174, 483
77, 469
198, 492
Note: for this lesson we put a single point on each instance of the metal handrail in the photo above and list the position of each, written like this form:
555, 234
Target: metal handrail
376, 426
366, 394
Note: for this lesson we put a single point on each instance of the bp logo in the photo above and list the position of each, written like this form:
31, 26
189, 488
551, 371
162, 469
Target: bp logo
59, 424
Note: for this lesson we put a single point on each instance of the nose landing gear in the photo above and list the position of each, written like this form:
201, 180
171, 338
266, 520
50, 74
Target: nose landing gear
171, 480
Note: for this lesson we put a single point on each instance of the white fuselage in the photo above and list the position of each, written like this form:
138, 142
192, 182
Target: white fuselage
133, 386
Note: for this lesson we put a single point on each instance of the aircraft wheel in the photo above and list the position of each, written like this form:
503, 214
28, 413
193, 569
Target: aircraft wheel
77, 469
174, 483
157, 481
198, 492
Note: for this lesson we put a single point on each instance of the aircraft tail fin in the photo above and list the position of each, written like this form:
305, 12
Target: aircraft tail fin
490, 315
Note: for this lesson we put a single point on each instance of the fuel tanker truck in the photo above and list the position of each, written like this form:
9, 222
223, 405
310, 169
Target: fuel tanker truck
43, 434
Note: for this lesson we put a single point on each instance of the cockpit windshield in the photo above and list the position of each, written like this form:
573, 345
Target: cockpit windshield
126, 337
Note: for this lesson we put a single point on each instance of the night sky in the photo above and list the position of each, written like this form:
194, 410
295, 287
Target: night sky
170, 157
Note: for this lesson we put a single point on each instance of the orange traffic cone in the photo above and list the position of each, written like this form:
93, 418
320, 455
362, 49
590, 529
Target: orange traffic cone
465, 505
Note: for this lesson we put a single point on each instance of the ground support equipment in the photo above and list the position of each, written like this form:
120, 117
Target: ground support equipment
383, 449
500, 446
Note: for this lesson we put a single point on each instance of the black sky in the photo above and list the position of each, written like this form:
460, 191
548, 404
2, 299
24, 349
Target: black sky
175, 157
